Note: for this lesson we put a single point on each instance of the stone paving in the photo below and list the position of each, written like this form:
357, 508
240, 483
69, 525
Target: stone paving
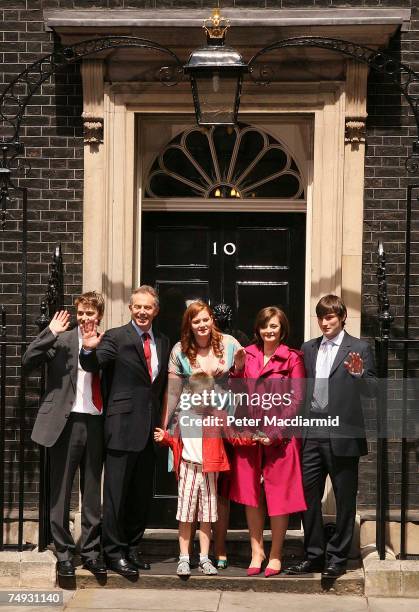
153, 600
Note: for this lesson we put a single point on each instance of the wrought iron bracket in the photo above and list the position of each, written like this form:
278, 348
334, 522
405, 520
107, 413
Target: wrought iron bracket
18, 93
404, 78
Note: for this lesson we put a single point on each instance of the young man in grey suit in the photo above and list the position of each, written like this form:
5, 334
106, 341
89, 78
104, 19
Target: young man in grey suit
137, 354
339, 368
70, 424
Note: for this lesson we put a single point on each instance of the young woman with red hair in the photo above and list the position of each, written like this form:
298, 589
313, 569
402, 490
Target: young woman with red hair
202, 353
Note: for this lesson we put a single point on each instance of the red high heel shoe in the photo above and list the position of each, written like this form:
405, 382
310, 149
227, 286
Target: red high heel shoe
254, 571
270, 571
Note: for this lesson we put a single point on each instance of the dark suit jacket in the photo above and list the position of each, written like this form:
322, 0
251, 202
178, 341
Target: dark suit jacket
345, 393
134, 403
61, 353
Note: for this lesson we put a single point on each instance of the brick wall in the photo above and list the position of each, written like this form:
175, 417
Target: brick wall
52, 135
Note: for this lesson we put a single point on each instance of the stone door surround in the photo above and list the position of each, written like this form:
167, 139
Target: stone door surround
112, 221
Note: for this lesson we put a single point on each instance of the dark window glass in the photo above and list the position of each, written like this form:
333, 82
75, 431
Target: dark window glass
233, 161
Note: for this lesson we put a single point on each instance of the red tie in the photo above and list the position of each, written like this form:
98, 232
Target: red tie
147, 353
96, 394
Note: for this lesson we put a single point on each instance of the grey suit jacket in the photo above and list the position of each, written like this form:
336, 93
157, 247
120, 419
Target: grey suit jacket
61, 353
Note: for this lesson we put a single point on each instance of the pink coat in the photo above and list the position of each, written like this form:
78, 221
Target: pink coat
280, 463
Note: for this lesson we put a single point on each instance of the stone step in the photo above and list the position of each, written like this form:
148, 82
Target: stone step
163, 576
161, 542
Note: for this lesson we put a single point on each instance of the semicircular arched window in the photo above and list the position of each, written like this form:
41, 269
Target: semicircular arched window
225, 162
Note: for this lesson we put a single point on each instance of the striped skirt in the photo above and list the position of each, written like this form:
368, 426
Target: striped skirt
197, 490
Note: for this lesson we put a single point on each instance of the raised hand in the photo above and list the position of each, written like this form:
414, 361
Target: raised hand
158, 434
60, 322
262, 438
265, 441
90, 335
354, 364
239, 358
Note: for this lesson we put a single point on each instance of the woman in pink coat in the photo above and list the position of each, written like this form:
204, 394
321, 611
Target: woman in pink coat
265, 368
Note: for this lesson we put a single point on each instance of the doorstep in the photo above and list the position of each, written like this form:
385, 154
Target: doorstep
163, 576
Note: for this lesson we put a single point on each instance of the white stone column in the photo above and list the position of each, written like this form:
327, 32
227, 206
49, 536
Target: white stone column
92, 71
325, 219
353, 199
119, 216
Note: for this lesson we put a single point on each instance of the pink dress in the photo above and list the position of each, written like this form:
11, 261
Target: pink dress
279, 463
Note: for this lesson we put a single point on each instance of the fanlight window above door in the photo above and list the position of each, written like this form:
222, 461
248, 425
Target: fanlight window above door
225, 162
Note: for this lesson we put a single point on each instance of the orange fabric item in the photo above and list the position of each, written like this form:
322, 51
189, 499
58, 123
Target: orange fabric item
213, 451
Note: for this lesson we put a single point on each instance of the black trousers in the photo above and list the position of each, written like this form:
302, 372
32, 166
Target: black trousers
79, 445
318, 462
128, 487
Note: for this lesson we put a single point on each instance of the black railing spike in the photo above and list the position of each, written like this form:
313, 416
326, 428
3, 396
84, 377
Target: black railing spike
385, 317
53, 299
43, 321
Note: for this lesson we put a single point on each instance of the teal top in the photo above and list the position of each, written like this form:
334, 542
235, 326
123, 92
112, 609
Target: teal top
179, 363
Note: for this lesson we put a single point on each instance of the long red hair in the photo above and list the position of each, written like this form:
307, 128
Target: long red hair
187, 338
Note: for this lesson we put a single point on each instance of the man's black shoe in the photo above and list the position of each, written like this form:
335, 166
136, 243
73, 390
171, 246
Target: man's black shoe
333, 571
303, 567
137, 560
123, 567
96, 566
65, 569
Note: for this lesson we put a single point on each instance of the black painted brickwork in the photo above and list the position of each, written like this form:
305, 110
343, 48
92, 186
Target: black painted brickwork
52, 135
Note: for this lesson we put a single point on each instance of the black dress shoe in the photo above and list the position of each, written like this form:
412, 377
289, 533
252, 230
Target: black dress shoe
96, 566
137, 560
333, 571
304, 567
65, 569
123, 567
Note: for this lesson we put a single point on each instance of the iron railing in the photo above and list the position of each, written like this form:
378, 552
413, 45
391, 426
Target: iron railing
399, 375
14, 414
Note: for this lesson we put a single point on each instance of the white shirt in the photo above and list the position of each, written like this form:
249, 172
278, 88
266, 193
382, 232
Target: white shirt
335, 344
192, 449
192, 438
83, 402
153, 348
325, 357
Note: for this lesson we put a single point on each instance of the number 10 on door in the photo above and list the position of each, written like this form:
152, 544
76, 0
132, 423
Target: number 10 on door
229, 248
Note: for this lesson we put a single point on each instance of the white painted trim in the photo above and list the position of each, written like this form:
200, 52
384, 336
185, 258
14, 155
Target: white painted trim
219, 205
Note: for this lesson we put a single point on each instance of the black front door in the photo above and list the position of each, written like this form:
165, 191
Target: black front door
246, 260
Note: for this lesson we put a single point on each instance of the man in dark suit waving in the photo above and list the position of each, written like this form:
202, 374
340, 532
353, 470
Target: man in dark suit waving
340, 368
135, 357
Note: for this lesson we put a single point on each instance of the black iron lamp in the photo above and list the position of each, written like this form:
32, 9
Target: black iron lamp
216, 74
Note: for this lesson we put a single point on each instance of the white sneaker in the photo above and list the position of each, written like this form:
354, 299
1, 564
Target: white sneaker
183, 568
207, 568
